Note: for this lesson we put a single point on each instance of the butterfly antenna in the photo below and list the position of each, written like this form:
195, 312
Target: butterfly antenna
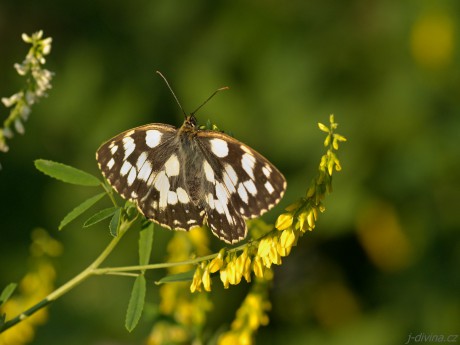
170, 89
213, 94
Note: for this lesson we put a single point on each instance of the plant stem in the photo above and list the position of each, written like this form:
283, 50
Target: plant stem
78, 279
125, 269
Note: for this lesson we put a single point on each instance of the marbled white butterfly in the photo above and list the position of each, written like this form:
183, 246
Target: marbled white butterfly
182, 178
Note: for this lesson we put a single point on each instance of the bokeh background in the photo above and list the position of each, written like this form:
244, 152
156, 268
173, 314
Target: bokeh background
384, 259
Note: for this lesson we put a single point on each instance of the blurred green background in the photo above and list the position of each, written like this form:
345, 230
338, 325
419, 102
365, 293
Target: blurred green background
383, 260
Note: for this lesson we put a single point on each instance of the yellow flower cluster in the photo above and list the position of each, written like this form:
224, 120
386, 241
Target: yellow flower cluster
35, 286
249, 317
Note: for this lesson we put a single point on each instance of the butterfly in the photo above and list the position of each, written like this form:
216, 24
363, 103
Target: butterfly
186, 177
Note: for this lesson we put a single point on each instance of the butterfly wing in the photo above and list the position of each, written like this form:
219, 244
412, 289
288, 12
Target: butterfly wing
144, 165
241, 184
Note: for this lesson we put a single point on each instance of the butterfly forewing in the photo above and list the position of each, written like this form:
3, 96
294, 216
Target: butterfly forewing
183, 178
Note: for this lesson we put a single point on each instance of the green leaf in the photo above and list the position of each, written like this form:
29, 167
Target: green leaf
179, 277
100, 216
66, 173
136, 303
80, 209
7, 292
145, 244
115, 223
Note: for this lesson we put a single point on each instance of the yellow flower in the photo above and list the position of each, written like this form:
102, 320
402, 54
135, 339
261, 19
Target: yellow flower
224, 277
233, 272
217, 263
206, 279
273, 254
264, 247
288, 239
196, 282
284, 221
258, 267
243, 265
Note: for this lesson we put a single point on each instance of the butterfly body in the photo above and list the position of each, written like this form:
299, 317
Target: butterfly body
184, 178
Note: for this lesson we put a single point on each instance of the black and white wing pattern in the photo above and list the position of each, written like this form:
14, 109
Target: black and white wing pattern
184, 178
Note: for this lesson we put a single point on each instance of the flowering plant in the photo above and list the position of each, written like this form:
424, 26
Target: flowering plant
38, 82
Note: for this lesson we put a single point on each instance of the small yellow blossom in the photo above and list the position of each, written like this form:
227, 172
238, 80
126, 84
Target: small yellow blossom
258, 267
217, 263
323, 127
273, 254
234, 272
196, 282
224, 277
264, 247
284, 221
243, 265
288, 238
206, 279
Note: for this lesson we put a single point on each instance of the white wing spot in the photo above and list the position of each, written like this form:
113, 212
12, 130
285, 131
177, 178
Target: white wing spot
210, 200
134, 194
145, 171
221, 203
266, 171
208, 171
219, 147
218, 206
221, 193
125, 168
250, 186
231, 173
248, 161
245, 149
132, 176
153, 138
182, 195
228, 183
110, 163
141, 160
162, 185
113, 148
172, 198
269, 187
172, 166
242, 210
129, 146
242, 193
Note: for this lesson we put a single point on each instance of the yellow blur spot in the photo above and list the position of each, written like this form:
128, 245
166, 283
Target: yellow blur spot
432, 40
335, 305
382, 238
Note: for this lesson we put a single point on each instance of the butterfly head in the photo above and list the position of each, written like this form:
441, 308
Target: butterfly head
190, 121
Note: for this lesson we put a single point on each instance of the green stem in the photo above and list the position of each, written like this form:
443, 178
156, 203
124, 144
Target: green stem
124, 269
78, 279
